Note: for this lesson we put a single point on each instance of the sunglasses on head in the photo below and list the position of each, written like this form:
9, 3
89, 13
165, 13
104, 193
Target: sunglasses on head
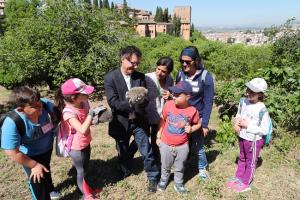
188, 62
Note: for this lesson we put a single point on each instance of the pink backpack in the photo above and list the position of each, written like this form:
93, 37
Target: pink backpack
64, 139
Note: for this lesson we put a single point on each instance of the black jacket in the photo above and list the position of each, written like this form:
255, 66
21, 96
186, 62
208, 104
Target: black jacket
115, 90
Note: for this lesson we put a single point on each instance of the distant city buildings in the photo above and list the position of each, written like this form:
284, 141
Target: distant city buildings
248, 37
240, 37
146, 26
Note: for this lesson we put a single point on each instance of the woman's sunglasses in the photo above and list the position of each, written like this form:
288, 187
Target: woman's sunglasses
188, 62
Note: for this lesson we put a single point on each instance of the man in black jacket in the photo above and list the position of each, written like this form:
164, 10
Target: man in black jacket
127, 119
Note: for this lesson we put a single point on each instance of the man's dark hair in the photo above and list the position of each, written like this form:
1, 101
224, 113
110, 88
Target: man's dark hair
128, 51
23, 95
166, 61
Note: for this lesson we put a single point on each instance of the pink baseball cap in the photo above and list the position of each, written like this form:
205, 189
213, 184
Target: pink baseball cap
76, 86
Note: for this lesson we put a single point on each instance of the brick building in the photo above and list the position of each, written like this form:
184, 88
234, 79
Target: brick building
147, 27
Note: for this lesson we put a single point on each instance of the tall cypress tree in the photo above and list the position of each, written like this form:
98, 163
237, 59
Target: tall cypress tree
105, 4
112, 6
125, 8
176, 24
156, 14
159, 15
166, 15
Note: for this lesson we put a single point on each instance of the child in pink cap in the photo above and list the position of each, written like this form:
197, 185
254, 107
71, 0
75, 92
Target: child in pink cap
72, 100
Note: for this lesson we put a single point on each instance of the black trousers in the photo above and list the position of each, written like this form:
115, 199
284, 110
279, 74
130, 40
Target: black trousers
41, 191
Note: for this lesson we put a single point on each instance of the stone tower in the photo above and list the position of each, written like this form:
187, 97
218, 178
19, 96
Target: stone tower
184, 13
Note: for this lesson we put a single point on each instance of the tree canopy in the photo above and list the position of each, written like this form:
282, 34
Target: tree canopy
65, 39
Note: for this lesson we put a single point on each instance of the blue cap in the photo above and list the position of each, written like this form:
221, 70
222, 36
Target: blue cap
181, 87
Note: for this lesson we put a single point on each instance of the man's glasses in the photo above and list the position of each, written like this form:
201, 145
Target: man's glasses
188, 62
133, 63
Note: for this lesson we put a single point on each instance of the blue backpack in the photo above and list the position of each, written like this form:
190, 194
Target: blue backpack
262, 112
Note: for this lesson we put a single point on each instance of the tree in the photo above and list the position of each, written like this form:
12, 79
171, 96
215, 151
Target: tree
105, 4
100, 4
159, 15
192, 29
165, 15
17, 11
65, 40
112, 6
176, 26
125, 8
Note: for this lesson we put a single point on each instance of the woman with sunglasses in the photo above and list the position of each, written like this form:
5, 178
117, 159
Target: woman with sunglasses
202, 83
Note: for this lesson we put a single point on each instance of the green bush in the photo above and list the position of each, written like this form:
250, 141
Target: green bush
225, 133
62, 40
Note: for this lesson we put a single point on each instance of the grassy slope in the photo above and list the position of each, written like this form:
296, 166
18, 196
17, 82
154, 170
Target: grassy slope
277, 178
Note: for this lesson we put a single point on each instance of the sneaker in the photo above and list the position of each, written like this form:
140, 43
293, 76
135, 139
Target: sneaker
241, 187
162, 185
54, 195
232, 182
179, 187
152, 186
203, 174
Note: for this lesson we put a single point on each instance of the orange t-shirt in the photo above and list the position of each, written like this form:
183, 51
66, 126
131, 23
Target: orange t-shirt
175, 120
80, 141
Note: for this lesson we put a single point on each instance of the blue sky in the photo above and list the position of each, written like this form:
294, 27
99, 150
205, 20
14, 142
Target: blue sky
228, 12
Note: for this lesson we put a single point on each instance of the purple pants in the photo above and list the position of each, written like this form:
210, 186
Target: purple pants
249, 152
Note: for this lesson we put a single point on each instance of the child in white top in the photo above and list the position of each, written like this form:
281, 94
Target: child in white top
252, 124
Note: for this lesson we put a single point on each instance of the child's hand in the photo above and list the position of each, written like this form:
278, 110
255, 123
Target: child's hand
244, 123
165, 94
158, 141
37, 172
237, 128
188, 129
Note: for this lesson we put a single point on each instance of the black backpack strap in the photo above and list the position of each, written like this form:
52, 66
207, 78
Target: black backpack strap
55, 114
18, 121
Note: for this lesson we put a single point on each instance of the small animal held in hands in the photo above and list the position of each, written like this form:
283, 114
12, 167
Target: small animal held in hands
102, 114
136, 95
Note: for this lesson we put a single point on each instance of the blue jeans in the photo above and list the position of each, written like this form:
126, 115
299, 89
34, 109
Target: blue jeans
197, 143
142, 142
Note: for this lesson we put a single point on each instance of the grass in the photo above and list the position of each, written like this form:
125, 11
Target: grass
277, 177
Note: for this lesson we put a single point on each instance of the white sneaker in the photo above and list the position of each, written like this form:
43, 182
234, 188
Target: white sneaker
54, 195
203, 174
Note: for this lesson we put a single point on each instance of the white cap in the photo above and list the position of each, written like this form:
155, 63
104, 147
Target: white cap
257, 85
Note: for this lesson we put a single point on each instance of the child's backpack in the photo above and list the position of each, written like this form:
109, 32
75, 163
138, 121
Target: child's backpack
63, 143
54, 116
17, 119
63, 139
267, 137
262, 112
